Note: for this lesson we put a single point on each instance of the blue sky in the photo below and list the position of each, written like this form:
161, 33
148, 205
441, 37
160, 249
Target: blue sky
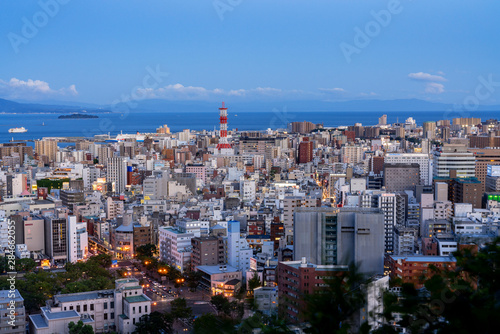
98, 51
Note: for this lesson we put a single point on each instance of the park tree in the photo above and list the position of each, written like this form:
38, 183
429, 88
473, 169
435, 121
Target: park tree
155, 322
80, 328
145, 251
180, 310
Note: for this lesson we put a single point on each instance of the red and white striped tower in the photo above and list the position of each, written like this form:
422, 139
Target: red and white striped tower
223, 148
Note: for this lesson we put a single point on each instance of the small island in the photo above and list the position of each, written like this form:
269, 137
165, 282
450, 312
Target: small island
77, 116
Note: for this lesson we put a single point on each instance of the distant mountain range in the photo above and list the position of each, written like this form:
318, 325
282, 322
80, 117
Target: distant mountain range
11, 107
156, 105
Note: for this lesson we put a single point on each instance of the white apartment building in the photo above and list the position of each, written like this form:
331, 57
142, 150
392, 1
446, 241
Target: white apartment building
238, 250
116, 173
175, 243
422, 159
78, 240
116, 309
454, 157
247, 190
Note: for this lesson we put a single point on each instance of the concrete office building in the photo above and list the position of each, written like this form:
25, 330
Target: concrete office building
454, 157
7, 299
400, 177
56, 239
422, 159
207, 251
329, 236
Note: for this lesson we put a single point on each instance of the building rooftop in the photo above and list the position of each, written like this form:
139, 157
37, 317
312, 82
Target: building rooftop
38, 321
423, 258
211, 270
59, 315
73, 297
4, 294
137, 299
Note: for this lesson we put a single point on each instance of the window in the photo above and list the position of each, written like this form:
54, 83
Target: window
85, 308
112, 305
105, 316
91, 307
77, 308
133, 310
105, 305
71, 307
133, 321
140, 309
65, 308
146, 309
112, 315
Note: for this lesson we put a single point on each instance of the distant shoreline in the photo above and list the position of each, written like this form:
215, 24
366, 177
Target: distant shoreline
77, 116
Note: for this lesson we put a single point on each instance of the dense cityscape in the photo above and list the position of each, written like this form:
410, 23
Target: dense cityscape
221, 226
249, 167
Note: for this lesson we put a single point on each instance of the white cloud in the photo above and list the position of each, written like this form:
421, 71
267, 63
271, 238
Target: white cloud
181, 92
33, 89
421, 76
434, 88
333, 90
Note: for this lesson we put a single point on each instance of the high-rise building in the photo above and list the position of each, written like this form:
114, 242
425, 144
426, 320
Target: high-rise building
207, 251
382, 120
352, 154
238, 250
46, 147
422, 159
454, 157
77, 240
289, 206
484, 158
116, 173
328, 236
305, 151
56, 239
429, 129
401, 177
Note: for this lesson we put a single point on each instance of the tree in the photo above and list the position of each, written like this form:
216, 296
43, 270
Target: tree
253, 283
211, 324
145, 251
329, 310
155, 322
180, 310
80, 328
463, 300
220, 303
103, 260
193, 279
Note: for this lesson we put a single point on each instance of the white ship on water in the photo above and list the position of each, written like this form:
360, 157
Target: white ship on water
18, 130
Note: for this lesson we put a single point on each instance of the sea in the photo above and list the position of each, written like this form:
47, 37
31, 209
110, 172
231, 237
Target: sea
48, 125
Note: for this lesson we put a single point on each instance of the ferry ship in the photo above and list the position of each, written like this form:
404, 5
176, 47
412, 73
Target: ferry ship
18, 130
